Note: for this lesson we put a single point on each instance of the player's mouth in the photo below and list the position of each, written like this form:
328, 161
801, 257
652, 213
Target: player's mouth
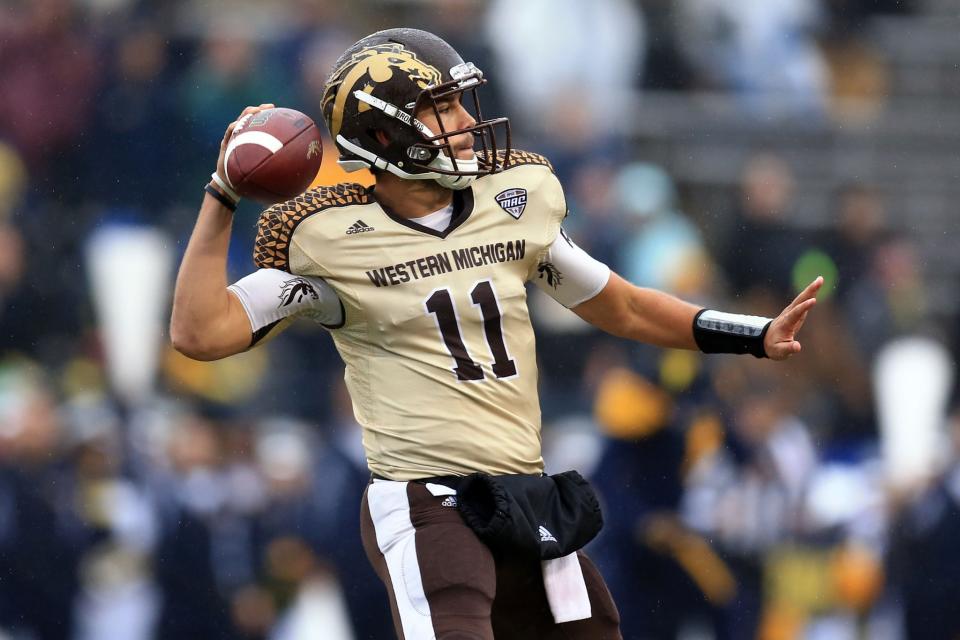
465, 153
464, 150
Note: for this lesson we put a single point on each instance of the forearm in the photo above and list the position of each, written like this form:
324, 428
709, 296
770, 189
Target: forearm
659, 319
202, 306
572, 278
645, 315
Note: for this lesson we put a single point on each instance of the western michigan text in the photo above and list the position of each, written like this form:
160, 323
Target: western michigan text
447, 261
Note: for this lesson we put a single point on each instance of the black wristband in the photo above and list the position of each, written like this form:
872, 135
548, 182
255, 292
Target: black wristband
222, 199
718, 332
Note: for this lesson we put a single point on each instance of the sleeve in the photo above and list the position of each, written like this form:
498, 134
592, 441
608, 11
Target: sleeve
568, 274
275, 244
270, 296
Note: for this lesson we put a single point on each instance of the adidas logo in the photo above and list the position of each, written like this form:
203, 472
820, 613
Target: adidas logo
449, 501
359, 227
545, 535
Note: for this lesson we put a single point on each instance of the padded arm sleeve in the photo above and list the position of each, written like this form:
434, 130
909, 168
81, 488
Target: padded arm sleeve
568, 274
270, 295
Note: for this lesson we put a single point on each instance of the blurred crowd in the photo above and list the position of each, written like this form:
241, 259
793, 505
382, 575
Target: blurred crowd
743, 498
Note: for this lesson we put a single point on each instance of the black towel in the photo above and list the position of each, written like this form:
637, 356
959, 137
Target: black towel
542, 517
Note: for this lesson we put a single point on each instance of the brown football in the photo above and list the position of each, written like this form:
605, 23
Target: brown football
273, 155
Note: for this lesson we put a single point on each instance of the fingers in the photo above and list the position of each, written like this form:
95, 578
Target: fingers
781, 344
249, 110
221, 171
809, 292
246, 112
793, 318
784, 350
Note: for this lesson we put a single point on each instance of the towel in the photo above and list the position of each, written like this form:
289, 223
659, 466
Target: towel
566, 588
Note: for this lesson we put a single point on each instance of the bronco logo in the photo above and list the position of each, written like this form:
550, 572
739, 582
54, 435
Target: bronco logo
373, 65
314, 149
296, 290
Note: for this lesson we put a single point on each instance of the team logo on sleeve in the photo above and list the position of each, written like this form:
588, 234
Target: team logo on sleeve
549, 272
295, 290
513, 201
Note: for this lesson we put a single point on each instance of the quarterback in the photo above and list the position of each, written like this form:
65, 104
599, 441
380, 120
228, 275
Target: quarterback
421, 280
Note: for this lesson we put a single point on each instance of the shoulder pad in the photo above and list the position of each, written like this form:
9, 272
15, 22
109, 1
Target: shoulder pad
517, 158
277, 224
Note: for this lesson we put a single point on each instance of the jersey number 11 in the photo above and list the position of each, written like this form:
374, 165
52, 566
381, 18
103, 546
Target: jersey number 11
441, 304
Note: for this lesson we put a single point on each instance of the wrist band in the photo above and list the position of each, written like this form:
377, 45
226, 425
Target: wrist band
719, 332
224, 200
227, 189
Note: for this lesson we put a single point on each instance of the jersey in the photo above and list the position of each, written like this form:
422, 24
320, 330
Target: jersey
436, 337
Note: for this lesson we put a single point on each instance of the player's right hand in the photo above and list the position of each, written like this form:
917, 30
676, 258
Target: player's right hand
226, 137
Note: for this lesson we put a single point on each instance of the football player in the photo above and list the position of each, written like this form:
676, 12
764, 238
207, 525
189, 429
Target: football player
421, 281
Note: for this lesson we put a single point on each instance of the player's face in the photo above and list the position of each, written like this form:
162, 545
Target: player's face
453, 117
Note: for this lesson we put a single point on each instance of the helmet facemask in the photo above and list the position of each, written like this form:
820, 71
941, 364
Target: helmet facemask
435, 153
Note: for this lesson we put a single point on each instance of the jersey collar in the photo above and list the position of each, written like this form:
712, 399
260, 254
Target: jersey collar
462, 208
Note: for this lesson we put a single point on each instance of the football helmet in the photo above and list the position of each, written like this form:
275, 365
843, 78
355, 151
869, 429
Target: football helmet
381, 82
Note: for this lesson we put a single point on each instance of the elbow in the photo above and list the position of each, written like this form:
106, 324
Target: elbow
192, 345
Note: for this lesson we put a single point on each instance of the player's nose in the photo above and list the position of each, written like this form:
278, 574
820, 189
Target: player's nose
466, 120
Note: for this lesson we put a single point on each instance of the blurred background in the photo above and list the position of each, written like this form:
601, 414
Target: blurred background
727, 151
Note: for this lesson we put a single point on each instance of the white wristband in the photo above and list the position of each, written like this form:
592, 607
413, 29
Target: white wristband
233, 195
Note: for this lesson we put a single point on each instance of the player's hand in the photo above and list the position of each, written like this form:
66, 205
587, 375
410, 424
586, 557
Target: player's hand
226, 136
780, 342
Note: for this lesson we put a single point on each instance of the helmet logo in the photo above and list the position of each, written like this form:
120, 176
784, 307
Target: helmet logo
372, 66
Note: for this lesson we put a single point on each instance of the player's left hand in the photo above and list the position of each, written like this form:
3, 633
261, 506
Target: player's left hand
780, 342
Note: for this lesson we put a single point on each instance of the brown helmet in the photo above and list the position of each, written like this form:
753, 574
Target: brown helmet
380, 82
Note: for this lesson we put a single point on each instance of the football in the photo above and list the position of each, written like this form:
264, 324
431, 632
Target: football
273, 155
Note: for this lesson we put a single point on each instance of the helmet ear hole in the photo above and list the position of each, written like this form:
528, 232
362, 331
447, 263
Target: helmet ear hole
380, 136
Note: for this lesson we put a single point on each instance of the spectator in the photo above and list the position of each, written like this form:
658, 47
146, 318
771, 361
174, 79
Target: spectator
764, 51
861, 222
748, 497
662, 574
890, 298
761, 249
193, 500
665, 251
135, 121
49, 62
923, 554
573, 75
39, 540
